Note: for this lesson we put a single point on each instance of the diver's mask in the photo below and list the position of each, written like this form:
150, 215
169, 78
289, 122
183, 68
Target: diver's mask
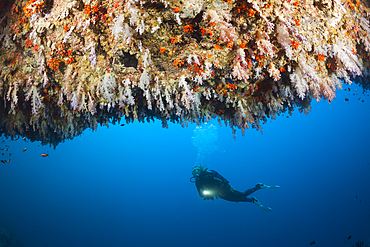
196, 171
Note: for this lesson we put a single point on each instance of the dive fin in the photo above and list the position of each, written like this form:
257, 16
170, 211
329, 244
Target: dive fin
265, 186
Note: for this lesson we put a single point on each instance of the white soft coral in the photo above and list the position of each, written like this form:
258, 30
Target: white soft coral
108, 86
264, 45
227, 30
347, 58
36, 102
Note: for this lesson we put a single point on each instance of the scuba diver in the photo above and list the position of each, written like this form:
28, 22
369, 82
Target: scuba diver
211, 184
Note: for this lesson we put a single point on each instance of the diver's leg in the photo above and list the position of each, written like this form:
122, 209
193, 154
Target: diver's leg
242, 197
251, 190
230, 194
260, 186
237, 196
233, 195
264, 208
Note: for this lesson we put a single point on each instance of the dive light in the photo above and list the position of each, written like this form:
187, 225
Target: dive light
206, 192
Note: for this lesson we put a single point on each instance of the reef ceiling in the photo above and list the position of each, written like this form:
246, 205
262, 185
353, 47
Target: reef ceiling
68, 65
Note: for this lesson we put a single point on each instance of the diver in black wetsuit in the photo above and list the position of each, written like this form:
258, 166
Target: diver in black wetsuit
211, 184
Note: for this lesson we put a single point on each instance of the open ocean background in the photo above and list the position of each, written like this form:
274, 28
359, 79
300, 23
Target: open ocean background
129, 186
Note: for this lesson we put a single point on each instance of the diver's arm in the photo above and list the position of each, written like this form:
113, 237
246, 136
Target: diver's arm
200, 190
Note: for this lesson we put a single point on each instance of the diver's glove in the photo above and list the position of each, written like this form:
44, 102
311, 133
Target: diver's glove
208, 198
264, 208
264, 186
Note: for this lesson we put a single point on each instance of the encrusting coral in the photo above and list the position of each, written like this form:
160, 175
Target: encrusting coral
72, 64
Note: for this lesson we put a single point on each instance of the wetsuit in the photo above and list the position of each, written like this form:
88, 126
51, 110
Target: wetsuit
218, 186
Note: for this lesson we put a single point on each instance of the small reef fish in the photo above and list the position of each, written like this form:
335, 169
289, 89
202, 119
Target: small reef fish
44, 155
24, 150
349, 237
313, 242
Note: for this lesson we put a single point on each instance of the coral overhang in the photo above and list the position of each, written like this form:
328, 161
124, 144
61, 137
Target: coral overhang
72, 64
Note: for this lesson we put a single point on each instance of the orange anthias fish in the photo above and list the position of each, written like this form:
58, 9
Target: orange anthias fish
44, 155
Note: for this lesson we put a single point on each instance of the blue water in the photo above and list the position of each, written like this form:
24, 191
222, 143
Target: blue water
129, 186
